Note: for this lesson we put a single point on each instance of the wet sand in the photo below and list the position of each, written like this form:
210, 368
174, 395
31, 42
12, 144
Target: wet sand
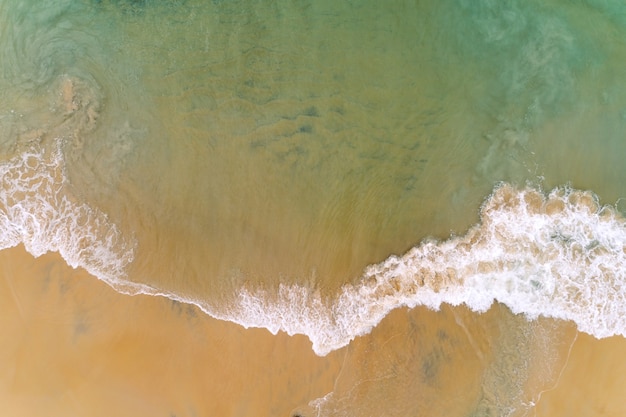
73, 346
592, 383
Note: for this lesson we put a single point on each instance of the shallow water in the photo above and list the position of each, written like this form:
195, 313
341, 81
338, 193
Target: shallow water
310, 168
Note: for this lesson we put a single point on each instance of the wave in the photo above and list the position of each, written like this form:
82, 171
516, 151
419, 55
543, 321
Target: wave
560, 255
38, 210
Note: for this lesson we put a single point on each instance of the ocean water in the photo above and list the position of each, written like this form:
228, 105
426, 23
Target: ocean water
311, 208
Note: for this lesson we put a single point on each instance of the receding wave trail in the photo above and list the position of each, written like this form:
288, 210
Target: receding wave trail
561, 256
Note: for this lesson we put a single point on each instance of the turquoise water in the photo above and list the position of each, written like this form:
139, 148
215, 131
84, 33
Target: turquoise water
275, 163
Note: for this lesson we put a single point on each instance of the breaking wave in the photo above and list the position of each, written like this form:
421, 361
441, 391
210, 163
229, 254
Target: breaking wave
38, 210
560, 255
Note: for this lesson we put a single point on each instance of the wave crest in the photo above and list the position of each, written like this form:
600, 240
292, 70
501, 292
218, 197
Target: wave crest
38, 210
560, 255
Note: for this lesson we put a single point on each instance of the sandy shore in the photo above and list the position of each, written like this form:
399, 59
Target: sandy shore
592, 383
73, 347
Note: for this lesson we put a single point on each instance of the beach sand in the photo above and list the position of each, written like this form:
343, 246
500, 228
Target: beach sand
73, 346
592, 383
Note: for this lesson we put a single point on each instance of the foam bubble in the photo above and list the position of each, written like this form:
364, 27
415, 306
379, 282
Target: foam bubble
559, 255
38, 210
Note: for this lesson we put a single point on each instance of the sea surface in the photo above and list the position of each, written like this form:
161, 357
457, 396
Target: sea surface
312, 208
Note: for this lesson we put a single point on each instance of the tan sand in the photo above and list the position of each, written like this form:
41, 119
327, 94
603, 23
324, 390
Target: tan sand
592, 383
74, 347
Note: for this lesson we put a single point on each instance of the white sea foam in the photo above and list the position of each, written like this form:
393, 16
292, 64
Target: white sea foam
38, 211
560, 256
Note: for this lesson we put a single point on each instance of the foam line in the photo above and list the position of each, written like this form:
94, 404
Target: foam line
38, 211
560, 255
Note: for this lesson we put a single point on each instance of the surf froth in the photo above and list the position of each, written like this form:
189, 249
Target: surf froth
560, 255
38, 211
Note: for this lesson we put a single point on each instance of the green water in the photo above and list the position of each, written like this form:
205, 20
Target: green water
245, 143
